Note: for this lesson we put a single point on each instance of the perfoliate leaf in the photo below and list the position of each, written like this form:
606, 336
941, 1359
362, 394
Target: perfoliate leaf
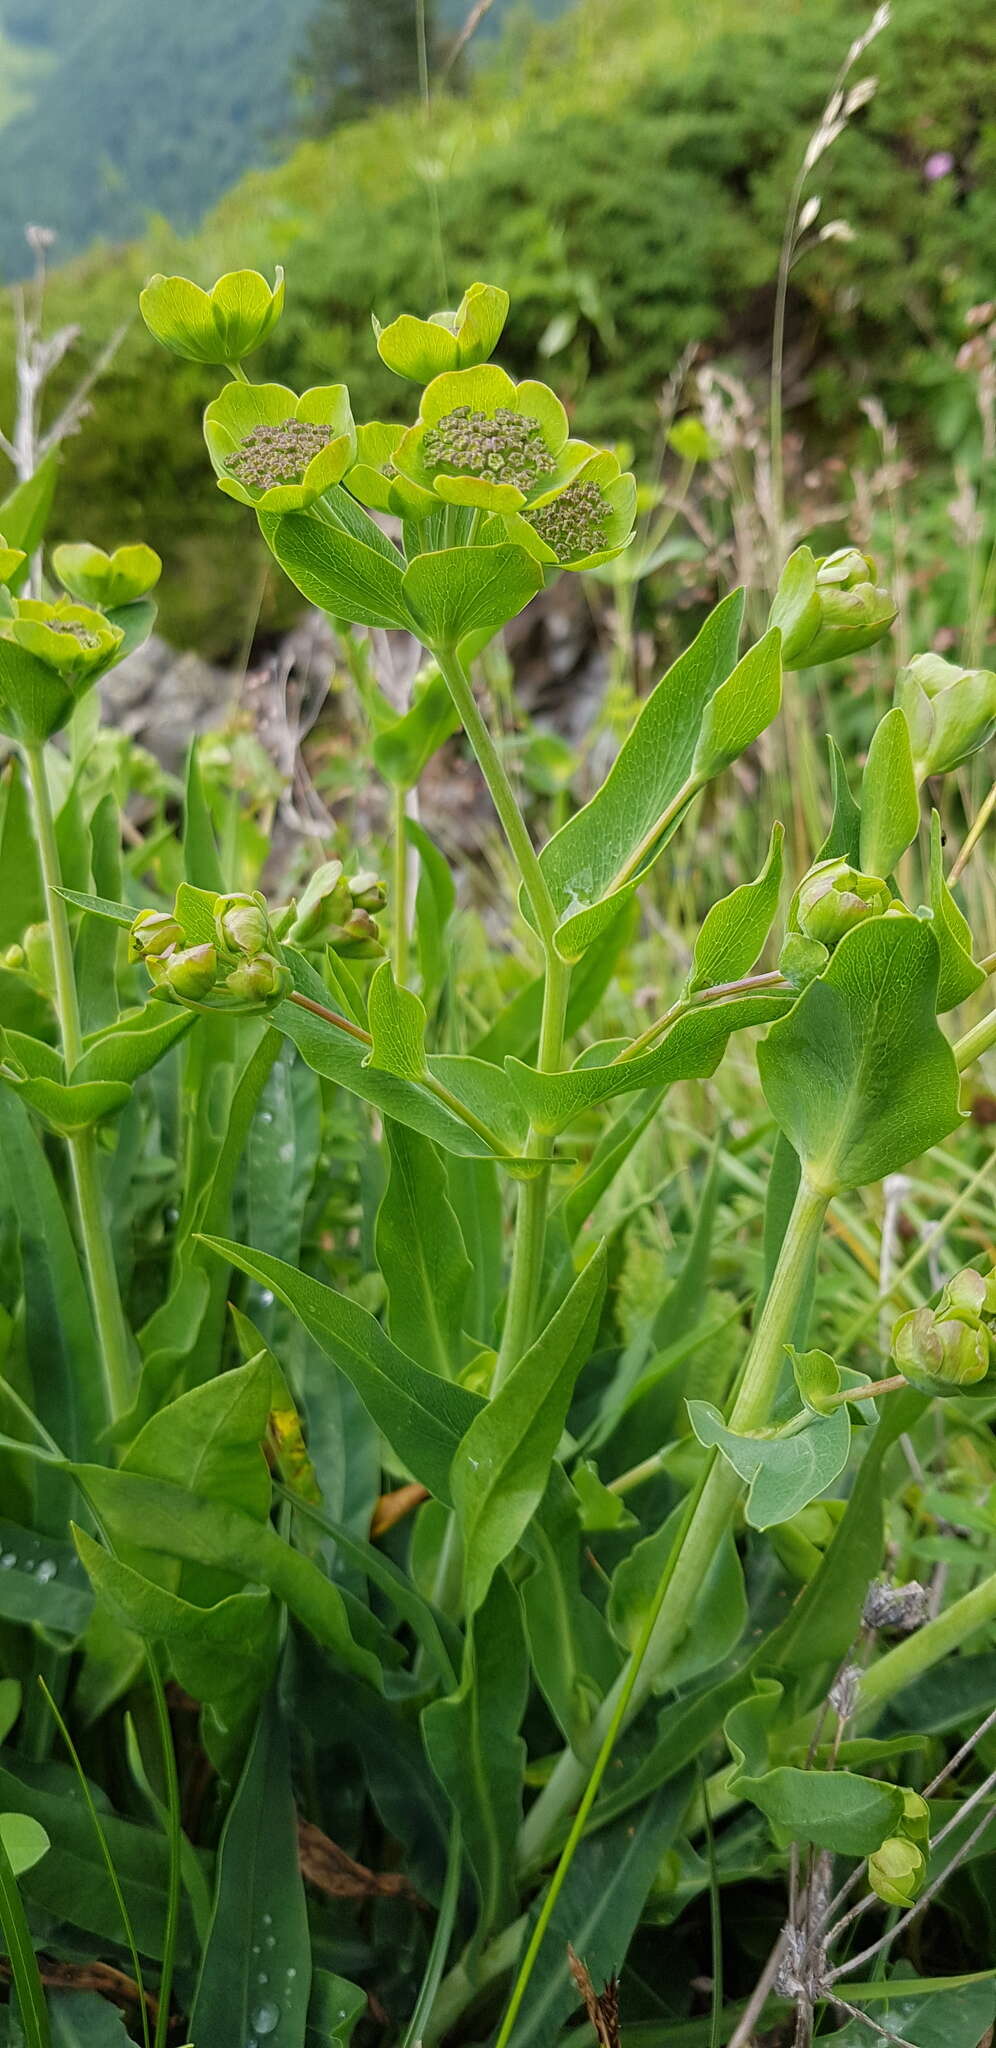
397, 1027
784, 1473
859, 1076
834, 1810
468, 590
890, 805
735, 929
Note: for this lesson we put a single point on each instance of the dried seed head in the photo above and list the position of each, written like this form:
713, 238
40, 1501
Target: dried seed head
506, 448
898, 1609
843, 1693
573, 523
277, 454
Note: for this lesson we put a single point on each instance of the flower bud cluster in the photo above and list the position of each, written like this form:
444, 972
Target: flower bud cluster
949, 1349
336, 910
238, 968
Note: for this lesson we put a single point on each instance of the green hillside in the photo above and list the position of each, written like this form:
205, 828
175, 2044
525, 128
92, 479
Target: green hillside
626, 180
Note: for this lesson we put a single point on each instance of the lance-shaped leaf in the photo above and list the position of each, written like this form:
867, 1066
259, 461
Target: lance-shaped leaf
397, 1027
421, 1253
691, 1049
740, 709
890, 805
959, 975
255, 1975
784, 1473
858, 1076
629, 820
835, 1810
422, 1415
469, 590
501, 1468
735, 929
476, 1751
132, 1046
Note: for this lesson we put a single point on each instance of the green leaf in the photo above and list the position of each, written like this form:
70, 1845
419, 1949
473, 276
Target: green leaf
422, 1416
255, 1976
721, 1606
403, 749
475, 1749
598, 1910
817, 1378
843, 841
784, 1473
335, 2008
397, 1026
890, 804
435, 902
571, 1650
421, 1253
24, 1840
81, 2019
928, 2014
42, 1583
858, 1076
62, 1354
150, 1515
834, 1810
740, 709
97, 942
132, 1046
582, 861
469, 590
501, 1468
22, 894
735, 929
201, 860
24, 513
959, 976
344, 576
24, 1965
693, 1047
100, 906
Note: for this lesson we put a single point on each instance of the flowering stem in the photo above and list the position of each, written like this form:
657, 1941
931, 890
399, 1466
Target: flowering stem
746, 987
492, 768
975, 1042
399, 933
112, 1333
531, 1210
707, 1518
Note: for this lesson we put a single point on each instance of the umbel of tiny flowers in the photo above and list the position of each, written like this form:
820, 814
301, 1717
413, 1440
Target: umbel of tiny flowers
97, 578
423, 349
582, 523
51, 653
948, 1349
223, 325
829, 606
482, 441
276, 451
951, 712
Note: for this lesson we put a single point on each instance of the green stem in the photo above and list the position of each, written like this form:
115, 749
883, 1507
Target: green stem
399, 932
747, 986
441, 1939
711, 1509
175, 1839
975, 1042
428, 1081
502, 794
631, 867
533, 1200
91, 1213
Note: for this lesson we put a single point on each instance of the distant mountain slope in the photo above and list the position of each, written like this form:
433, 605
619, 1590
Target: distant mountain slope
112, 110
143, 106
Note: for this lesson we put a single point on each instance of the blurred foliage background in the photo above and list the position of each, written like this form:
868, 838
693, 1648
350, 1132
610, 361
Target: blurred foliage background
623, 171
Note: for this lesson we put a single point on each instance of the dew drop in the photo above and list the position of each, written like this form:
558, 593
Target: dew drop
46, 1571
265, 2018
262, 1978
291, 1974
266, 1298
29, 1564
266, 1116
271, 1941
8, 1561
255, 1948
267, 1919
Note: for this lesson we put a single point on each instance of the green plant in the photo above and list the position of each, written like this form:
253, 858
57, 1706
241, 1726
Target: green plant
349, 1525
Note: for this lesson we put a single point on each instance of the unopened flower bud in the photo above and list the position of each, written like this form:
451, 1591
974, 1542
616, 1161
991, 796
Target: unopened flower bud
358, 938
189, 973
950, 711
261, 980
915, 1823
12, 958
829, 607
37, 943
153, 933
326, 903
835, 897
967, 1292
367, 890
896, 1871
941, 1353
242, 924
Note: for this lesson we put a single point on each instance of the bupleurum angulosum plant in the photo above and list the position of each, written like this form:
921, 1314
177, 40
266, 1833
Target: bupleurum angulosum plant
322, 1580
